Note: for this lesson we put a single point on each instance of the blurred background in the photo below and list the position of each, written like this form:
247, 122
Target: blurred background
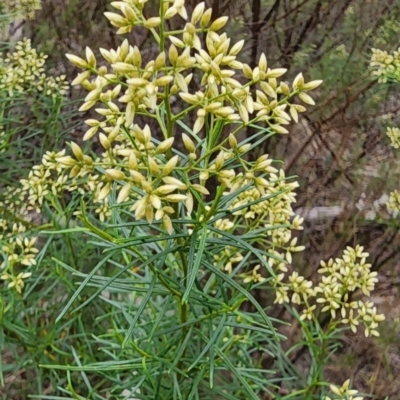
339, 150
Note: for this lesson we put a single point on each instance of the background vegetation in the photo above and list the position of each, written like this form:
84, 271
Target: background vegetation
338, 149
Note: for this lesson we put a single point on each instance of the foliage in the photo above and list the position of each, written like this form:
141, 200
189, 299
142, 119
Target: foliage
386, 67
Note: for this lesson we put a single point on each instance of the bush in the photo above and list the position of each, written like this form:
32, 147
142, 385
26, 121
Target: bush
184, 227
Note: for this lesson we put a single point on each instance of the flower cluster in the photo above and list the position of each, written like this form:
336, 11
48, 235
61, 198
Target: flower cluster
18, 251
159, 177
23, 8
339, 279
343, 392
146, 174
388, 68
385, 65
3, 140
23, 71
393, 203
394, 135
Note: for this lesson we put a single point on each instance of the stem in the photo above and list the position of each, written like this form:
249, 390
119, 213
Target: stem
183, 308
214, 205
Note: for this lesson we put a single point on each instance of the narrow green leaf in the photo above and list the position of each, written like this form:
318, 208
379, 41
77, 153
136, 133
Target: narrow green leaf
211, 341
237, 374
112, 279
194, 267
139, 312
245, 293
182, 347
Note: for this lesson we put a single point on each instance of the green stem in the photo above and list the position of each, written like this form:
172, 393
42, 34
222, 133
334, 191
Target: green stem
214, 205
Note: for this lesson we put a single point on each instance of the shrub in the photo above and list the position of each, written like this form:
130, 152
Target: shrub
189, 226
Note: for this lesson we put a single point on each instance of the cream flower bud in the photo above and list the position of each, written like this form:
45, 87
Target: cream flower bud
247, 71
77, 151
132, 163
91, 59
130, 113
116, 19
128, 12
197, 13
77, 61
236, 48
284, 88
306, 98
298, 82
298, 107
137, 82
93, 95
267, 89
173, 54
80, 78
244, 148
224, 111
124, 193
104, 141
66, 161
87, 160
136, 176
160, 61
232, 141
171, 12
108, 56
190, 28
189, 98
175, 198
204, 175
104, 192
275, 73
219, 161
188, 143
169, 180
92, 122
294, 114
153, 166
201, 189
262, 64
219, 23
152, 22
123, 68
227, 174
164, 146
146, 186
206, 17
88, 105
170, 165
180, 81
167, 224
166, 189
139, 134
177, 42
312, 85
155, 201
114, 174
278, 129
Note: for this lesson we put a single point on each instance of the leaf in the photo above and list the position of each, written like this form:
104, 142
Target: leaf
82, 285
245, 293
211, 341
139, 312
192, 271
235, 372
